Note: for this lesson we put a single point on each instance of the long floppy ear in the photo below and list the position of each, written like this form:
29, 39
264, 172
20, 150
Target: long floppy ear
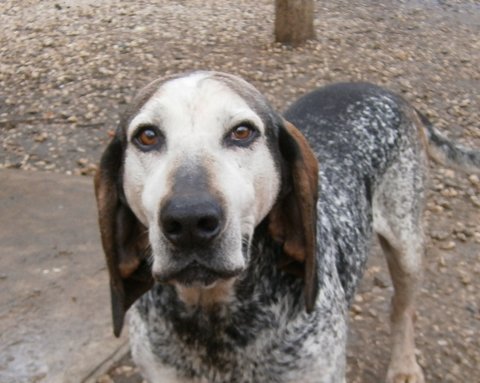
124, 238
292, 221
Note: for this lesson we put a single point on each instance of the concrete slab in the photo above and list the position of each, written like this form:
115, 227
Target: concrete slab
54, 300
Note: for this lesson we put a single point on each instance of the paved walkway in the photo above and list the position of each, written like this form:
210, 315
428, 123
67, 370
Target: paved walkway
54, 299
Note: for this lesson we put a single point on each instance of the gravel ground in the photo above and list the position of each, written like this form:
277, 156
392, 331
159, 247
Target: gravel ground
68, 68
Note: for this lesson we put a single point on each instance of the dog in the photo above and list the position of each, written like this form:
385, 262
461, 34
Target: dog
239, 244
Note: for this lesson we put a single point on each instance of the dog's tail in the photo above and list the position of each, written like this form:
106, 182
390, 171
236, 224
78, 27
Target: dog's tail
447, 152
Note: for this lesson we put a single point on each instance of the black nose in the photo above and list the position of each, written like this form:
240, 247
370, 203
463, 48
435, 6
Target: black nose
191, 220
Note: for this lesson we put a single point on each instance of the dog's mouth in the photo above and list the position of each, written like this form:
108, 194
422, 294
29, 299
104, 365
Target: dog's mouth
195, 274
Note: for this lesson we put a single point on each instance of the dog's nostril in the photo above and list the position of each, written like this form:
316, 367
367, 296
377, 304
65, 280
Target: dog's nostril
172, 227
208, 225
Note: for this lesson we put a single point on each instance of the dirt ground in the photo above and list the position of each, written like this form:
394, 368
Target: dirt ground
68, 68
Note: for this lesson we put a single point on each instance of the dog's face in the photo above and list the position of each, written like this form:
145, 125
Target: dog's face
200, 174
197, 163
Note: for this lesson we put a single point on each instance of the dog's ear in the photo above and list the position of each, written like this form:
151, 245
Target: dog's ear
124, 238
292, 220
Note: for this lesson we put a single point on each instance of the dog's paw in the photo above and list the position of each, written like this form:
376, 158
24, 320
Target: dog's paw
409, 372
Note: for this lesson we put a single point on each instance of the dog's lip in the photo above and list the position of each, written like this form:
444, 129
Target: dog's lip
195, 274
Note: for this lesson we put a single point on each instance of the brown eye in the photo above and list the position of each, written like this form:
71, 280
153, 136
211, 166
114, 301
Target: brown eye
148, 138
242, 135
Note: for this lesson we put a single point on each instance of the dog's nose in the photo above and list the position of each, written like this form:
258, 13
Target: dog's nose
189, 221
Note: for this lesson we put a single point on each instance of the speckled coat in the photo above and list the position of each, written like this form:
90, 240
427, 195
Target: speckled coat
357, 131
277, 310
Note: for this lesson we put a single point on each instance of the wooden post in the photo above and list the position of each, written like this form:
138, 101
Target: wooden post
294, 21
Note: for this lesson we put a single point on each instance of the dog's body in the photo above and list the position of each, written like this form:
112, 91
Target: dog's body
235, 283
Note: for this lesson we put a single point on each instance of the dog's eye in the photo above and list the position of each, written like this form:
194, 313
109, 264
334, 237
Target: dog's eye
147, 138
242, 134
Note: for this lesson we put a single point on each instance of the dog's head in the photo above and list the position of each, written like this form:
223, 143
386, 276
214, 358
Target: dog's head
197, 163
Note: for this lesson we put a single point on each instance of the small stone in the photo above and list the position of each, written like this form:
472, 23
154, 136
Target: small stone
356, 309
442, 262
474, 180
440, 235
122, 370
465, 278
476, 234
475, 200
105, 379
358, 298
442, 342
449, 192
461, 236
444, 204
438, 209
49, 42
105, 71
91, 169
448, 246
449, 173
358, 317
379, 282
41, 137
402, 55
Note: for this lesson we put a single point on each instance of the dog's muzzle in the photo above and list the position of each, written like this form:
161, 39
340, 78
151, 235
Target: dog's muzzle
193, 224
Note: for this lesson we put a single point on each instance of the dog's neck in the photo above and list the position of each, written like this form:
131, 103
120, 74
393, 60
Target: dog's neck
200, 326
